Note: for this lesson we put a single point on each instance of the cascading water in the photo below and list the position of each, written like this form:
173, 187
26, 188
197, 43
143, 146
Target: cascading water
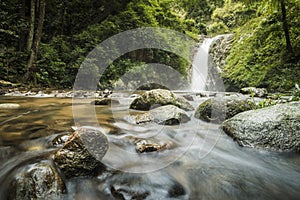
200, 66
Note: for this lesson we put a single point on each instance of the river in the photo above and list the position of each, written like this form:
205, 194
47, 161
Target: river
204, 163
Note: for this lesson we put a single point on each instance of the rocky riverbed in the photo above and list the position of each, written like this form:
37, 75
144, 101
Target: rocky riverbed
168, 154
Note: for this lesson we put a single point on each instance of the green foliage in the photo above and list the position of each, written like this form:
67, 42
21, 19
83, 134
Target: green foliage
73, 28
258, 56
230, 16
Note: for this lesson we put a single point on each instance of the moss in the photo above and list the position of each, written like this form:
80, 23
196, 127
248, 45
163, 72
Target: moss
217, 110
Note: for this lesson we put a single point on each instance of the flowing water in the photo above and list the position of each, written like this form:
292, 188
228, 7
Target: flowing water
200, 66
203, 162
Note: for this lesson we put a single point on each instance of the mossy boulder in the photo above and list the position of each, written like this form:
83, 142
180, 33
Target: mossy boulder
257, 92
166, 115
276, 127
160, 97
218, 109
82, 153
37, 181
104, 101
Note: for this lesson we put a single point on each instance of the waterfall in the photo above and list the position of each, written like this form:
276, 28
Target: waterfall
200, 66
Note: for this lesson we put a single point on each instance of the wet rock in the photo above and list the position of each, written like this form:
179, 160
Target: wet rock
257, 92
176, 190
37, 181
276, 127
105, 101
3, 92
217, 110
60, 140
133, 96
159, 97
166, 115
152, 185
150, 145
218, 52
82, 153
206, 94
106, 93
188, 97
9, 106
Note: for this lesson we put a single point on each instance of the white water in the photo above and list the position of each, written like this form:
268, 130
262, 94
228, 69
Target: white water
200, 66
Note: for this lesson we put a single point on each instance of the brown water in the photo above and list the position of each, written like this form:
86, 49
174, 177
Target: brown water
203, 163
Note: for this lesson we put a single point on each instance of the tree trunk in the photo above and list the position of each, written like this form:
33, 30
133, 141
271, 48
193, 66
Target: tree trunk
22, 15
30, 40
31, 66
38, 35
286, 27
31, 29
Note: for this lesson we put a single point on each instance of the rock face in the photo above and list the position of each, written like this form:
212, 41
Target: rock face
166, 115
257, 92
82, 153
276, 127
39, 181
160, 97
105, 101
217, 110
218, 52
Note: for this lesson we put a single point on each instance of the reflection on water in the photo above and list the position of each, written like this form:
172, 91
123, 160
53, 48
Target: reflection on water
202, 163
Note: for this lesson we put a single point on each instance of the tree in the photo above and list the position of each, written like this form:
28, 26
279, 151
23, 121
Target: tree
285, 27
34, 37
279, 4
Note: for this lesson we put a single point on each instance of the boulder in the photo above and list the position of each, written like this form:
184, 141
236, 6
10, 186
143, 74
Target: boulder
160, 97
37, 181
276, 127
188, 97
217, 109
82, 153
166, 115
104, 101
143, 145
257, 92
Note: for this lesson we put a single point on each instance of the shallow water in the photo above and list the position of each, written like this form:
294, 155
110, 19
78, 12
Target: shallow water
201, 163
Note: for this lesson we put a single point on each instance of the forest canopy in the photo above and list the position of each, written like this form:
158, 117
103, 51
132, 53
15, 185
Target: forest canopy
44, 42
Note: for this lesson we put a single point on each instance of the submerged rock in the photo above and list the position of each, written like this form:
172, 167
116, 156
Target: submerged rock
166, 115
217, 110
82, 153
159, 97
276, 127
9, 106
105, 101
38, 181
257, 92
150, 145
142, 145
188, 97
152, 185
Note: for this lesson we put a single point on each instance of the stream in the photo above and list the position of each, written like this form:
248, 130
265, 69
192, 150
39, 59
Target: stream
203, 162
